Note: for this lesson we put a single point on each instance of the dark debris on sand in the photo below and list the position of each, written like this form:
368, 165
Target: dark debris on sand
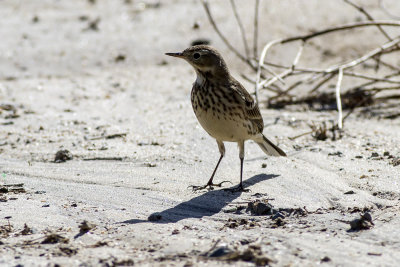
252, 254
362, 223
63, 156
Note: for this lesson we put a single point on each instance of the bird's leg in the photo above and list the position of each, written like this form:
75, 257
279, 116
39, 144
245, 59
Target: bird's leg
240, 187
210, 183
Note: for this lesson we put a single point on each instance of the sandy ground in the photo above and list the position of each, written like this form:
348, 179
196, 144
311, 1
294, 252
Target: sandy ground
91, 78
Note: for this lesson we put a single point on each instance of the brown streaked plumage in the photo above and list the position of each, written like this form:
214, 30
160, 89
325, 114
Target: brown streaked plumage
223, 106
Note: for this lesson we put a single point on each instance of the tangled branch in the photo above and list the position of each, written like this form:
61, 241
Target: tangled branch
267, 76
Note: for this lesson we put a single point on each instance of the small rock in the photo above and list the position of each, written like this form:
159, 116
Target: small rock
86, 226
396, 162
120, 58
67, 251
54, 239
260, 208
196, 25
93, 25
337, 153
220, 252
264, 165
27, 230
46, 205
326, 259
3, 190
349, 192
363, 223
175, 232
374, 155
62, 156
35, 19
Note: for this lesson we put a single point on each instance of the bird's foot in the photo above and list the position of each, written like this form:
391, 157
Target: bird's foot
209, 186
238, 188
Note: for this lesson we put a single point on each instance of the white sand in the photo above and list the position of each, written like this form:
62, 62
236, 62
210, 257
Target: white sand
68, 90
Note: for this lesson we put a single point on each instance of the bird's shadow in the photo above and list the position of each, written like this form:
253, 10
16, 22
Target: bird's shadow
206, 204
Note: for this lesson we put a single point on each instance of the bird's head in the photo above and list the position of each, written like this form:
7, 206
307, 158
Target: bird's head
204, 59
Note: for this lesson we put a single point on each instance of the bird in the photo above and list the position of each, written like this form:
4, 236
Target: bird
223, 107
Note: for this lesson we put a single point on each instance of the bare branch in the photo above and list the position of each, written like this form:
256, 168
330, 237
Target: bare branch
357, 105
366, 56
372, 82
338, 99
376, 79
241, 28
369, 17
341, 28
267, 77
255, 36
322, 82
260, 63
387, 88
227, 43
286, 72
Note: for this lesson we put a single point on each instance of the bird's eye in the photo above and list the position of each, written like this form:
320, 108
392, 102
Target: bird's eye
196, 55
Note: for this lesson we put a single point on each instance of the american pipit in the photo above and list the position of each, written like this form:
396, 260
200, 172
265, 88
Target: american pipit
223, 106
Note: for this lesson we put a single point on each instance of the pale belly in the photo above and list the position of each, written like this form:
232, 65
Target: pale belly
224, 128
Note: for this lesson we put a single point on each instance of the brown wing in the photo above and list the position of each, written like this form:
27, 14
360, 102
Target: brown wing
251, 110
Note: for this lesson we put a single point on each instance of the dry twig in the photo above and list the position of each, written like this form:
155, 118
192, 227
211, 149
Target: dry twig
241, 28
362, 93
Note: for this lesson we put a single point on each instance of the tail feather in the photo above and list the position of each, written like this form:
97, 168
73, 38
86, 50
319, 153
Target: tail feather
269, 148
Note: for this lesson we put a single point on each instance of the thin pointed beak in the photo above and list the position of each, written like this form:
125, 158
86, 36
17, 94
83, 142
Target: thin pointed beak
180, 55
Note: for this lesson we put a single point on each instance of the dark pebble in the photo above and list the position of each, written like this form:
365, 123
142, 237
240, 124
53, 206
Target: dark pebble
62, 156
219, 252
260, 208
326, 259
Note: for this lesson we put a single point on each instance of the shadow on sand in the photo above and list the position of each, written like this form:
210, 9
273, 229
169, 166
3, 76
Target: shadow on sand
206, 204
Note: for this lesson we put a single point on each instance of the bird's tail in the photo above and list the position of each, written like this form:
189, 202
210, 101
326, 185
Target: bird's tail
268, 147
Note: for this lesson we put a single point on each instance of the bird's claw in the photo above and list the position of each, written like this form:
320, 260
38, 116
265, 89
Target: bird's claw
209, 186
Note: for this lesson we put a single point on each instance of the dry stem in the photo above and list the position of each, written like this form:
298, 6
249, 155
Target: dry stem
317, 78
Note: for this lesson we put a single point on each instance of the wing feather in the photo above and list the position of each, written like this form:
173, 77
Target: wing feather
251, 110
